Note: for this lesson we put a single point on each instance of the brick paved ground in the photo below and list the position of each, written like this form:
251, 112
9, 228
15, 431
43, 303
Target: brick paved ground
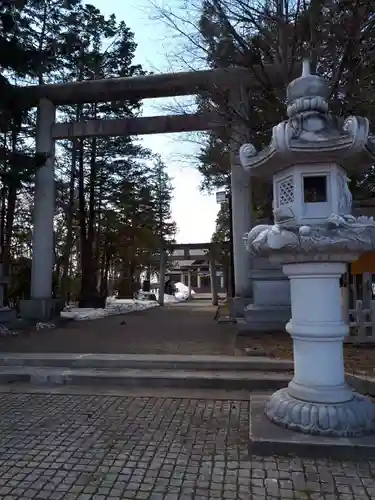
110, 447
187, 328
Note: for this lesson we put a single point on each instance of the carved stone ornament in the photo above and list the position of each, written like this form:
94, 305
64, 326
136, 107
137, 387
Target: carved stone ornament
311, 132
348, 419
345, 235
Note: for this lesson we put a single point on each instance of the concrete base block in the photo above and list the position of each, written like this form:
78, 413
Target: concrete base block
237, 306
40, 309
268, 439
264, 318
273, 292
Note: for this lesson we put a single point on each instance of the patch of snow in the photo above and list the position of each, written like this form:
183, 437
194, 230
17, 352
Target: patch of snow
114, 306
183, 289
170, 299
181, 296
177, 297
40, 325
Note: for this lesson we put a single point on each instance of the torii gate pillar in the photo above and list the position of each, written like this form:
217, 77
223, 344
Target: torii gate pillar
41, 305
241, 201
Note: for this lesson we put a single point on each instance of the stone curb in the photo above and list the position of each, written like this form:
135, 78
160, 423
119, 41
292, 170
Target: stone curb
361, 383
139, 361
250, 381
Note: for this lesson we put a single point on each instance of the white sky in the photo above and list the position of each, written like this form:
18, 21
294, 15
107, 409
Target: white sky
194, 212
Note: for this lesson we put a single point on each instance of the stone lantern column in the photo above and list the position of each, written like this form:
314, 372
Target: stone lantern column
317, 336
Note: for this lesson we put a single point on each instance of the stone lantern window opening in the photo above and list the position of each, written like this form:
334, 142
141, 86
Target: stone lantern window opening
315, 189
317, 192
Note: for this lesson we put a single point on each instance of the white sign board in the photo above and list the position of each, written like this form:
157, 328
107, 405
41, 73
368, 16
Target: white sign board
221, 197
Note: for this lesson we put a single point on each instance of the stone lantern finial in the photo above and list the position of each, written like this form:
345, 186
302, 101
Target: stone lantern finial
306, 67
307, 93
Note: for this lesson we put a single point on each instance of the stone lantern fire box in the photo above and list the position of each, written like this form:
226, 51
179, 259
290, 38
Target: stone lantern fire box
313, 237
310, 193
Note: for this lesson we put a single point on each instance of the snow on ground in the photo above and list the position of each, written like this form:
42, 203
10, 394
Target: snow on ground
113, 306
181, 294
124, 306
171, 299
183, 289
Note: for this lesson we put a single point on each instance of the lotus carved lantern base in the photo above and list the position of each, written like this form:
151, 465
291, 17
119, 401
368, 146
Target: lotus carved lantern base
348, 419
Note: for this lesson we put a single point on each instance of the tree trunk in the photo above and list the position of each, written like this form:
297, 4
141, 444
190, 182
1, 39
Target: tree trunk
11, 207
105, 273
69, 227
3, 214
90, 296
126, 284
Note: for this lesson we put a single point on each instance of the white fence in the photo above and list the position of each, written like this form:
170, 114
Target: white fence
358, 307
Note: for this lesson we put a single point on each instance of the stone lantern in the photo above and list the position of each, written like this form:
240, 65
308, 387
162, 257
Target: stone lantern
314, 236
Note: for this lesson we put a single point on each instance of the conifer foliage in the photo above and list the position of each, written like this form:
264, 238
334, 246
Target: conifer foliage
113, 195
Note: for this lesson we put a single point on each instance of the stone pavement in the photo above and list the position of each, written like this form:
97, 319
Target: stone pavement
111, 447
185, 328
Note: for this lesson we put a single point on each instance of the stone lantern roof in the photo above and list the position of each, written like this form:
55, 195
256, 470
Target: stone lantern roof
311, 134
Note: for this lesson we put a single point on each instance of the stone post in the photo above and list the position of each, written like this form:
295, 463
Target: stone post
213, 281
41, 304
189, 283
6, 314
199, 283
241, 200
241, 195
162, 277
182, 277
3, 281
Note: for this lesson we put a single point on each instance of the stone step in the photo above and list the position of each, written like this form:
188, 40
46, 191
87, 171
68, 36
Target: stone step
144, 361
227, 380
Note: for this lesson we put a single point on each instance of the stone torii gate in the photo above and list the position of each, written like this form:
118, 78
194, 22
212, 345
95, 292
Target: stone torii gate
236, 81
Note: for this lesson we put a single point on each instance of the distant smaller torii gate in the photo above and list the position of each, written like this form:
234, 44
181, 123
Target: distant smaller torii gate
211, 248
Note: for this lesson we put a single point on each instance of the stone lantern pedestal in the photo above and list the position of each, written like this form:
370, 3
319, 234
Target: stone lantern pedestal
318, 401
313, 237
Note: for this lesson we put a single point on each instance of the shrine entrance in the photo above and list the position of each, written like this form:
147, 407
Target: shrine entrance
233, 82
197, 267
